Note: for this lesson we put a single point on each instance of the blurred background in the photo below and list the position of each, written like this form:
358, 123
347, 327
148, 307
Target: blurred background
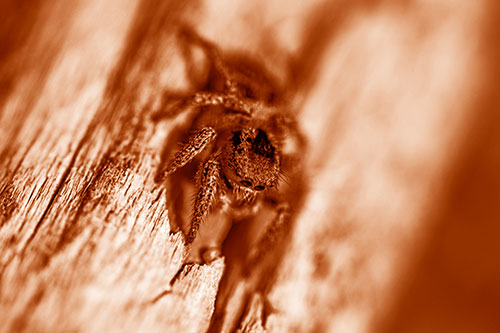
398, 100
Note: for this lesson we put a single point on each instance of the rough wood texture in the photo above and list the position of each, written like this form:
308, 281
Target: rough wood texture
397, 102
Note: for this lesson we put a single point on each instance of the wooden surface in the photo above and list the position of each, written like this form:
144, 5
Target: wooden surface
397, 100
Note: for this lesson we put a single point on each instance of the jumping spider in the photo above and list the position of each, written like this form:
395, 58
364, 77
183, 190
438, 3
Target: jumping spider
251, 143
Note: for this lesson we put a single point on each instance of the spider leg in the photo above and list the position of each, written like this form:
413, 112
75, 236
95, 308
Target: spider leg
231, 77
228, 101
208, 180
195, 145
232, 102
271, 236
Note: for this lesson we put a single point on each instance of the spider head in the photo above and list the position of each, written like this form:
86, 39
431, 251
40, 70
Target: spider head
251, 160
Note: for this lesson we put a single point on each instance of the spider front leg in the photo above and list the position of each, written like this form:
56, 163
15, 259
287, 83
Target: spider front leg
195, 145
271, 236
208, 181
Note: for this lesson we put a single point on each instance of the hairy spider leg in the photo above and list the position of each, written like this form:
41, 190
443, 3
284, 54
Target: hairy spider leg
195, 145
246, 106
208, 180
232, 102
271, 235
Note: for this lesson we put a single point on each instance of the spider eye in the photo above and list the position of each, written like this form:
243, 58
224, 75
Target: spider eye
259, 188
262, 146
246, 183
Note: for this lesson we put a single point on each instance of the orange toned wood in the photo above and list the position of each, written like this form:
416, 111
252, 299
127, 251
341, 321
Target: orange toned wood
397, 102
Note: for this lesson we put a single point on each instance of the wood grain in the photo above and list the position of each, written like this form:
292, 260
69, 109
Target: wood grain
389, 96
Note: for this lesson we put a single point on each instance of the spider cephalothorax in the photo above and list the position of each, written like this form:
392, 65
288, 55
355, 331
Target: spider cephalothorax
242, 132
251, 160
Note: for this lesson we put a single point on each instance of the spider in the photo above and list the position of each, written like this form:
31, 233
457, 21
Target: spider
250, 147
